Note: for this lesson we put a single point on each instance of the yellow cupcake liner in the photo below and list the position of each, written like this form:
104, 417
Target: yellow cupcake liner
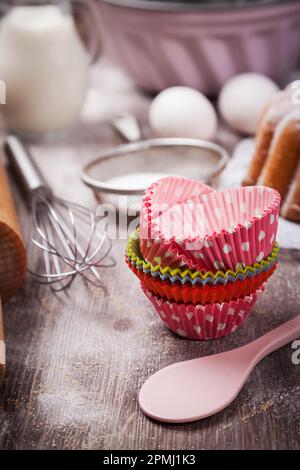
134, 255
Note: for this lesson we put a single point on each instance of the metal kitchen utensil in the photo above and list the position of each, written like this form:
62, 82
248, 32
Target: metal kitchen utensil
192, 390
192, 158
65, 232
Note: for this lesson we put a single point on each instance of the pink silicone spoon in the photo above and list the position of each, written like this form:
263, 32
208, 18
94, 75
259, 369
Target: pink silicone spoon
192, 390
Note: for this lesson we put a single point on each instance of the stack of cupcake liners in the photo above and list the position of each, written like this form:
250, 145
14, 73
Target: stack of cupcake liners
203, 257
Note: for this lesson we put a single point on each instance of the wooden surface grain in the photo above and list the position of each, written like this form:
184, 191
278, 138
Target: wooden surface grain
75, 362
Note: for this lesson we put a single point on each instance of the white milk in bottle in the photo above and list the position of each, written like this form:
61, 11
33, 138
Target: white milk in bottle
44, 66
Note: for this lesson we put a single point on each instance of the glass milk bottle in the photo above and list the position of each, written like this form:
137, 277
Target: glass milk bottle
43, 64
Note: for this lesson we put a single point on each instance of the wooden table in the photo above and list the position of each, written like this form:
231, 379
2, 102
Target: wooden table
75, 363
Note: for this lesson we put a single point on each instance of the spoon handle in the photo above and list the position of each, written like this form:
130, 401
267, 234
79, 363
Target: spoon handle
275, 339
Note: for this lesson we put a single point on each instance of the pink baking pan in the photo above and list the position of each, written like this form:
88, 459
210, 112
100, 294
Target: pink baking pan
207, 231
200, 44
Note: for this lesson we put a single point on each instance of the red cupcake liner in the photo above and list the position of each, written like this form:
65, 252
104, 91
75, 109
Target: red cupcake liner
204, 294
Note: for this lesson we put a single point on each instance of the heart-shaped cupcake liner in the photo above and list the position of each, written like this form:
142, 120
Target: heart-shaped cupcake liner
238, 226
186, 276
203, 322
161, 196
202, 295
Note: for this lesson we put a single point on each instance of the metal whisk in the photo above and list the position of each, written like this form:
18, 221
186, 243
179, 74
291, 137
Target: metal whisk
65, 232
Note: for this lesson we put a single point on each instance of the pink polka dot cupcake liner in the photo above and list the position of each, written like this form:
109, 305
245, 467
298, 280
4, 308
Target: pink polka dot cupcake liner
163, 194
209, 230
203, 322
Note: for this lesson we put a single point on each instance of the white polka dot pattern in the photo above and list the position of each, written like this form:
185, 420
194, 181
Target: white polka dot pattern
238, 225
208, 322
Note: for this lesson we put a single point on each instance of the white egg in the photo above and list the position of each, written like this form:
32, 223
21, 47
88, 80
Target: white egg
242, 99
182, 112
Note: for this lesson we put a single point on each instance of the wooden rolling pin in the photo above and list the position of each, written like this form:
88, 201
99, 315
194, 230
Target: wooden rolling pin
12, 255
